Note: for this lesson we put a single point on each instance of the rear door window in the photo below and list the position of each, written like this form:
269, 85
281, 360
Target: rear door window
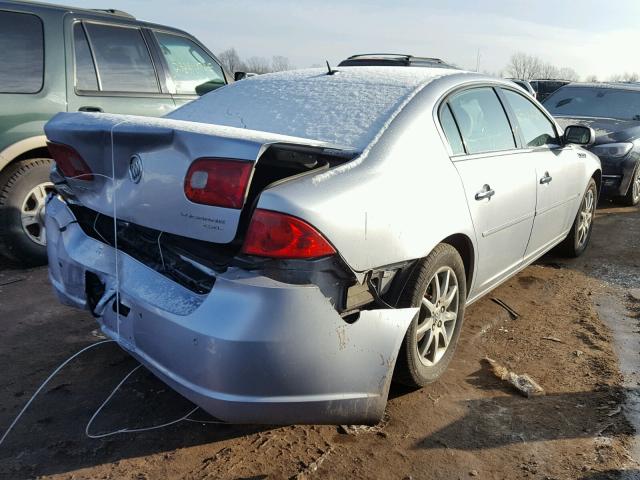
451, 130
536, 129
192, 69
86, 78
21, 53
122, 58
482, 121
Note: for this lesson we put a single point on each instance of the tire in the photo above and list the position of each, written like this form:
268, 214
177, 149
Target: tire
577, 241
413, 368
632, 198
22, 188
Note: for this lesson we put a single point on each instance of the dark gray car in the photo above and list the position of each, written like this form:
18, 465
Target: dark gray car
613, 111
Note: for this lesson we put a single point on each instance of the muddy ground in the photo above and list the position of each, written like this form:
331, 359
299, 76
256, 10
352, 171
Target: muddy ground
468, 424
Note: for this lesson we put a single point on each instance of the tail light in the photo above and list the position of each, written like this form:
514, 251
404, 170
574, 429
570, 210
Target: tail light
276, 235
70, 162
219, 182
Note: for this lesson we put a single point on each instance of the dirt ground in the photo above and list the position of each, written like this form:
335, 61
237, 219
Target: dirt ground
468, 424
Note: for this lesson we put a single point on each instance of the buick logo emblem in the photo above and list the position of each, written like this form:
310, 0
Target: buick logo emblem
135, 169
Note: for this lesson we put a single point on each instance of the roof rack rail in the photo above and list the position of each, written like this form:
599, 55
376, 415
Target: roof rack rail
399, 56
113, 11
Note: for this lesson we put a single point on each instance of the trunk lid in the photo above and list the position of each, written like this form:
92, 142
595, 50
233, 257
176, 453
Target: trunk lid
139, 166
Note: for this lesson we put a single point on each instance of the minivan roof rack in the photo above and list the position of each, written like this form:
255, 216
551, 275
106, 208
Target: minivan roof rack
113, 11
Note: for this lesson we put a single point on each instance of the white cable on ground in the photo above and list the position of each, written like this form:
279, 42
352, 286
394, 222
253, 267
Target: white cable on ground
126, 429
60, 367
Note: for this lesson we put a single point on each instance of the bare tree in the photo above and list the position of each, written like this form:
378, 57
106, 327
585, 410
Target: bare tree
280, 63
258, 65
524, 66
568, 73
547, 70
591, 79
625, 77
231, 61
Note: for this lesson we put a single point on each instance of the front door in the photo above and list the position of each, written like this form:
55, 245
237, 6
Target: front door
557, 173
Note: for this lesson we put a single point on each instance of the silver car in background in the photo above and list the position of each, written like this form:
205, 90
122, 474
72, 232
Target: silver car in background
278, 250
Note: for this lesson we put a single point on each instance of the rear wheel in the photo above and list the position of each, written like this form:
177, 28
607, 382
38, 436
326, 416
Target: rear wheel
633, 194
578, 239
25, 185
438, 287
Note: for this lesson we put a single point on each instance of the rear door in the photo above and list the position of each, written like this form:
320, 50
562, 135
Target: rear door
191, 70
499, 181
111, 70
558, 172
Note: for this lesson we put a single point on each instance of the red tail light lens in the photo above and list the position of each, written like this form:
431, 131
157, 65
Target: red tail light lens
219, 182
276, 235
70, 162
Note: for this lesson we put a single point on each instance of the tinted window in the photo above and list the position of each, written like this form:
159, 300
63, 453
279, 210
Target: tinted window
451, 130
595, 102
482, 121
86, 78
190, 66
536, 129
21, 53
123, 60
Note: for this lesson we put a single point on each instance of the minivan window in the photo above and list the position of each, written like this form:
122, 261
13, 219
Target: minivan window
86, 78
192, 69
451, 130
482, 121
122, 58
537, 130
21, 53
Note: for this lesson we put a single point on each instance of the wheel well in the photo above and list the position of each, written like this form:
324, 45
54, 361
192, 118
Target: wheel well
463, 245
597, 176
42, 152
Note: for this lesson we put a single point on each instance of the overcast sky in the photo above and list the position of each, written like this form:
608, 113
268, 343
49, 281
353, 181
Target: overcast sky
591, 36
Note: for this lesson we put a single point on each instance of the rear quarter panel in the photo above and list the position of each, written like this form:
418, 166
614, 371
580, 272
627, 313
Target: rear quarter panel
394, 203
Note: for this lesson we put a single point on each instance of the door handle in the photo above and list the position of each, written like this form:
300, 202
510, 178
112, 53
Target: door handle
486, 192
546, 179
89, 108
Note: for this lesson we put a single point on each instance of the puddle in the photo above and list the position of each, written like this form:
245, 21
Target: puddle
613, 312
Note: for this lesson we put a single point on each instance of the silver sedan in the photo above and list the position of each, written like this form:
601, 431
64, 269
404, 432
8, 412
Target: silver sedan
280, 249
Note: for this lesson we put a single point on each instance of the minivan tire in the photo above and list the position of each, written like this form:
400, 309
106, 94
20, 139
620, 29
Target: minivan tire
16, 183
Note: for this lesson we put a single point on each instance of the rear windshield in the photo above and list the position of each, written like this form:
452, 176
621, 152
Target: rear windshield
595, 102
348, 108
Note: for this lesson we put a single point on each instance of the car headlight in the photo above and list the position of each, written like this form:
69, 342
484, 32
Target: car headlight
614, 150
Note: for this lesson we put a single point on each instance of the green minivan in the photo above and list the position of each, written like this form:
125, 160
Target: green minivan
54, 59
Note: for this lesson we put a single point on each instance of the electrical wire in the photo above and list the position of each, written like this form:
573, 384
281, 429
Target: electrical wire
60, 367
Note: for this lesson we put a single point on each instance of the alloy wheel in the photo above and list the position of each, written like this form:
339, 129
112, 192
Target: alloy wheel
586, 217
32, 213
438, 316
636, 186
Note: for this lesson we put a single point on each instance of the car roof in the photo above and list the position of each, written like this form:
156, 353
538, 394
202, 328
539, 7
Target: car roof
105, 14
347, 107
613, 85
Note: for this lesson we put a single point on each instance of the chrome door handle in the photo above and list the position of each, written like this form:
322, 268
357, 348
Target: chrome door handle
486, 192
546, 179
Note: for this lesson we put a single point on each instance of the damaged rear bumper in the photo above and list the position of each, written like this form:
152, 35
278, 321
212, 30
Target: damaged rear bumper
253, 350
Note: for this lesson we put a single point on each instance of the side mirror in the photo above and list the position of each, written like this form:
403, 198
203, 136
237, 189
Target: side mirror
237, 76
579, 135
